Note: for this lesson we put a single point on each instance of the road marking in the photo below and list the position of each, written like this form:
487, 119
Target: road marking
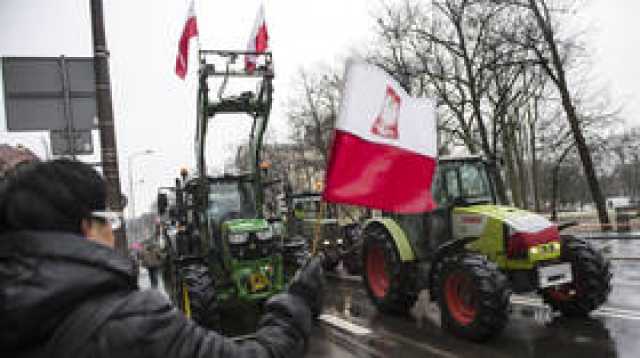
608, 312
615, 315
344, 325
353, 346
424, 346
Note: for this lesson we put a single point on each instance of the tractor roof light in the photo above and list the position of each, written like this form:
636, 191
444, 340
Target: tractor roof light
238, 239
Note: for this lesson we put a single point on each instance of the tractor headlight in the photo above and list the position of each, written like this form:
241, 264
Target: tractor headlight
236, 239
534, 250
264, 235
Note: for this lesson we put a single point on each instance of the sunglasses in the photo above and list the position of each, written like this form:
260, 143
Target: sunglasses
110, 218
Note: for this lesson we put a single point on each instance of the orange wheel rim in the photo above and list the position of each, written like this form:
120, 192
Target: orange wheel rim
460, 298
377, 272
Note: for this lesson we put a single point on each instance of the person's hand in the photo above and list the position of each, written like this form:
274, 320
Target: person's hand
308, 283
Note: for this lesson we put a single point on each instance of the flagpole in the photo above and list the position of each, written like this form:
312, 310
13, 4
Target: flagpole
316, 239
197, 37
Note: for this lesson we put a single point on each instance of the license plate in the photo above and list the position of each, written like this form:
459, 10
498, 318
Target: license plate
258, 282
554, 275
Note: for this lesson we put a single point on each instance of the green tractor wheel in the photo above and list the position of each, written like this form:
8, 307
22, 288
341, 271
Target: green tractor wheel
473, 296
591, 280
198, 296
385, 276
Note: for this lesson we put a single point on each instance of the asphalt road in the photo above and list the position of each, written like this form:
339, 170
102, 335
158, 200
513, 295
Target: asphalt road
351, 326
323, 343
533, 330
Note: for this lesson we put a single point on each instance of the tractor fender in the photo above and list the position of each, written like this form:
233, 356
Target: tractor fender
399, 237
440, 253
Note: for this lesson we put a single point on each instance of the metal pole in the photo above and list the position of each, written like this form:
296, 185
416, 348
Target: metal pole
109, 152
68, 113
132, 190
131, 201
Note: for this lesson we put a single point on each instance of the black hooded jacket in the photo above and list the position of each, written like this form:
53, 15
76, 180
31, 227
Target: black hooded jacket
64, 296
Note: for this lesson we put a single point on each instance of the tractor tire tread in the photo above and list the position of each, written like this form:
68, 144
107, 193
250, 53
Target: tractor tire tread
493, 294
202, 295
594, 272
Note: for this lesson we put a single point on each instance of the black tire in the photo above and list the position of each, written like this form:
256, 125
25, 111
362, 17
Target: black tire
352, 264
380, 257
591, 280
473, 296
332, 259
202, 295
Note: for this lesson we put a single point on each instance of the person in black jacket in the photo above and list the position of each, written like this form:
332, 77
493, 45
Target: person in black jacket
64, 292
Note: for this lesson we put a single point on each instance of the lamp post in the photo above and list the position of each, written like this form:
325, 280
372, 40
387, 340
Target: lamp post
132, 199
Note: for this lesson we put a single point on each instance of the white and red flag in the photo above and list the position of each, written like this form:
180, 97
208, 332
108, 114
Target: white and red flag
258, 41
190, 30
384, 151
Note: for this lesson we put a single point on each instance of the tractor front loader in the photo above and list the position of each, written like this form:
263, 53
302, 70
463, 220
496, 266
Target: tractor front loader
228, 256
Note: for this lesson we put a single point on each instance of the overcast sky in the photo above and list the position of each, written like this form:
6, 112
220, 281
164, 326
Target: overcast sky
155, 110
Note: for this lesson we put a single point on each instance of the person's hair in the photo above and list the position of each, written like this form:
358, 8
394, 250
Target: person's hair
50, 196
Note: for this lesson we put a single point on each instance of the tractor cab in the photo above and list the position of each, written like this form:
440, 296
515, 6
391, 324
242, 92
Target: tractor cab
463, 181
230, 197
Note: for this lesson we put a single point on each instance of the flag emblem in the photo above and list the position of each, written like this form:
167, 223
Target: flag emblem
386, 123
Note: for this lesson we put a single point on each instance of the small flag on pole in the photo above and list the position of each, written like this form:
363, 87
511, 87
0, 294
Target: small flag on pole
190, 30
258, 41
384, 151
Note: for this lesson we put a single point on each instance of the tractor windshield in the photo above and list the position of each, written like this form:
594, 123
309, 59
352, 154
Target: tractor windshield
475, 186
464, 180
231, 199
309, 208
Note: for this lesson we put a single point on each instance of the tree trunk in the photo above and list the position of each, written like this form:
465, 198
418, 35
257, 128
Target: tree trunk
534, 159
554, 195
507, 145
559, 78
522, 173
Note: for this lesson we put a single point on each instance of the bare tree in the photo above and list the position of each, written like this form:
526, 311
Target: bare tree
541, 37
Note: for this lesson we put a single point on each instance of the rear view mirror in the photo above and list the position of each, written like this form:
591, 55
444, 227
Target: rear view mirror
162, 203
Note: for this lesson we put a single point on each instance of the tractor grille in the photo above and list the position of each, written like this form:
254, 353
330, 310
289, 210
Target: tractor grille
253, 249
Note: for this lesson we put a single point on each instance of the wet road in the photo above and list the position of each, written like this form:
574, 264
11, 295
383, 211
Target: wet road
351, 327
324, 342
533, 331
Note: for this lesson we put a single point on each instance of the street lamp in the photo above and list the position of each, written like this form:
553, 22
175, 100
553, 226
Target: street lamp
132, 199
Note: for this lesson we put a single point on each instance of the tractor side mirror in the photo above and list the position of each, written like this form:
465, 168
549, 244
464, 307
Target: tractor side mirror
163, 202
458, 201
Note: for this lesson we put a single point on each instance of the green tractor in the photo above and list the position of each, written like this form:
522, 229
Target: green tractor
226, 258
339, 234
471, 253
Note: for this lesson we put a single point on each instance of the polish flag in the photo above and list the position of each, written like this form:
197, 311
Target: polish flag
384, 151
190, 30
258, 42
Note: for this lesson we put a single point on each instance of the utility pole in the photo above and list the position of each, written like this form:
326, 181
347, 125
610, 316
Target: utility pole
106, 126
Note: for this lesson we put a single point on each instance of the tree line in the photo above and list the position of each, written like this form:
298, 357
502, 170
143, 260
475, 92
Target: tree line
511, 82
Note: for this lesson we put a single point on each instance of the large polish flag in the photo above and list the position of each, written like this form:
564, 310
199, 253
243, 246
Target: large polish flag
190, 30
384, 151
258, 41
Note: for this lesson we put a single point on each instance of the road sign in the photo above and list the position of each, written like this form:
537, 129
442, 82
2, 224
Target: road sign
62, 142
49, 93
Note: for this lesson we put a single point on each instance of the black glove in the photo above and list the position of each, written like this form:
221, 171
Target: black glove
308, 283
